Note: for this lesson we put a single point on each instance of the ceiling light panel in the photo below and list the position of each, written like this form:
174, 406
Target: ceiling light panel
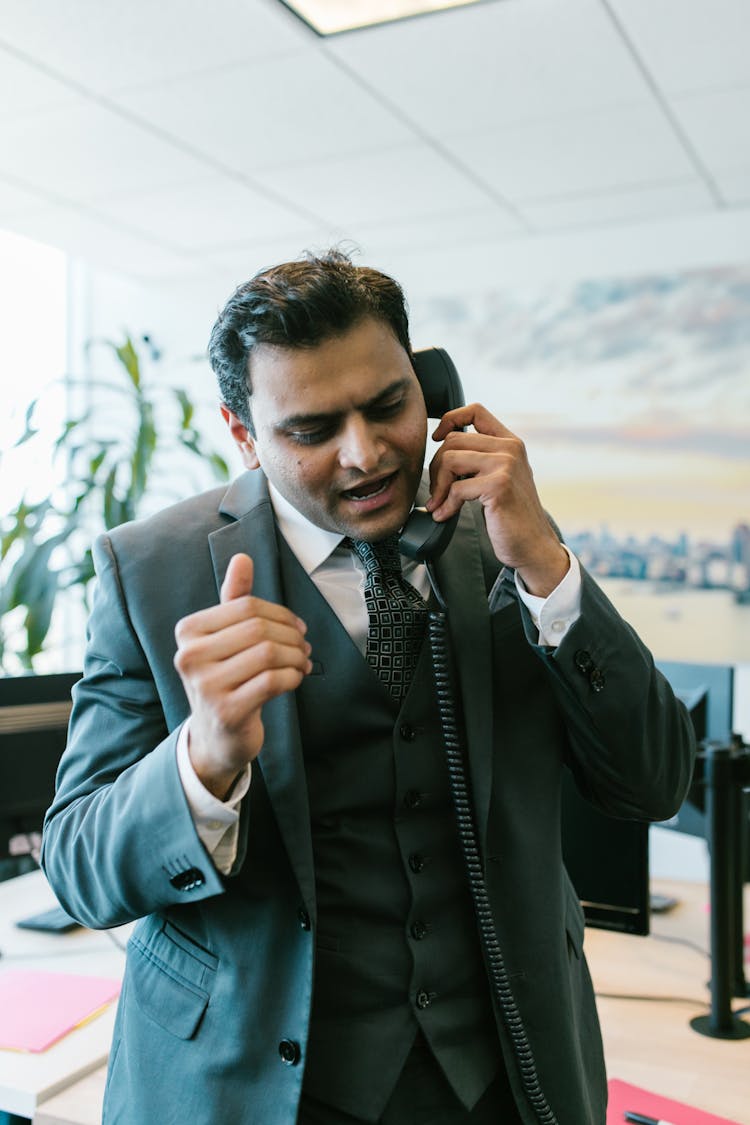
331, 17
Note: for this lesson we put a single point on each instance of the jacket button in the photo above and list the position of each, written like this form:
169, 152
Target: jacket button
303, 918
419, 930
289, 1052
188, 880
416, 862
583, 661
597, 680
424, 999
407, 732
412, 798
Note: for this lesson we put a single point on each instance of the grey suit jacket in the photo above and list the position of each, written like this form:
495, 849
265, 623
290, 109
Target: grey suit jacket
213, 1018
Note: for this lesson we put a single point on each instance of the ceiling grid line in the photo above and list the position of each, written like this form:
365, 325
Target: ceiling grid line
161, 134
421, 134
689, 148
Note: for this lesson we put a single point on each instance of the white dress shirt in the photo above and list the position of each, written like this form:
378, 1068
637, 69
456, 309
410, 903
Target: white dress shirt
340, 576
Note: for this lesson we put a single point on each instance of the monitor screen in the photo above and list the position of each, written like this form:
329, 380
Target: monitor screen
607, 860
34, 712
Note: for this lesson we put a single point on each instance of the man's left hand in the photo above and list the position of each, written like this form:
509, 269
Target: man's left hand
489, 464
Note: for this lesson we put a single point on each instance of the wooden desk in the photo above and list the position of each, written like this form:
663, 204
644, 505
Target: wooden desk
27, 1079
651, 1043
648, 1043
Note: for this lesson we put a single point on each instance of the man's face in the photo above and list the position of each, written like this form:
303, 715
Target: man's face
340, 429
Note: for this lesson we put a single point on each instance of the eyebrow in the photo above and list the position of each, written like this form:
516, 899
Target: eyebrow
295, 421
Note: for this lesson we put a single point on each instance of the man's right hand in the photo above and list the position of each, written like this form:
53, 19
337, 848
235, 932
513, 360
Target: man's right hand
232, 658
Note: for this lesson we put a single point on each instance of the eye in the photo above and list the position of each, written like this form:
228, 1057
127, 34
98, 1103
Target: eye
311, 437
387, 409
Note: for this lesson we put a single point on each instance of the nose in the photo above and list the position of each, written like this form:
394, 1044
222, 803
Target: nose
361, 446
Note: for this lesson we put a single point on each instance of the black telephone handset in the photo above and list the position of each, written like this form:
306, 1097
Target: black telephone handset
422, 538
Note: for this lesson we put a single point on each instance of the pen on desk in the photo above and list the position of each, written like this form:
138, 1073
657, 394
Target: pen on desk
642, 1119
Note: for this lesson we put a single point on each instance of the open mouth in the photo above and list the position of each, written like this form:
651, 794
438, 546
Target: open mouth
370, 489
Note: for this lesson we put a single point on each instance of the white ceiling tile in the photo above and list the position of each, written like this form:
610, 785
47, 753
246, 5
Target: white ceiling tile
690, 44
540, 101
493, 65
279, 111
25, 90
84, 151
718, 124
734, 186
655, 201
106, 45
86, 236
456, 228
211, 212
396, 183
16, 199
596, 152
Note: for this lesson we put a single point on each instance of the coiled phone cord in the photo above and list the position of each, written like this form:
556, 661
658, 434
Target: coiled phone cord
455, 754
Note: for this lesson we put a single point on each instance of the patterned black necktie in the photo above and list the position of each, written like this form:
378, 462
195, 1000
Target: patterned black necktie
397, 615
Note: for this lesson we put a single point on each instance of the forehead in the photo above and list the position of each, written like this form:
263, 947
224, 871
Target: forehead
348, 368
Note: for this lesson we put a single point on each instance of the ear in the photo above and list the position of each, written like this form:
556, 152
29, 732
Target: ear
242, 438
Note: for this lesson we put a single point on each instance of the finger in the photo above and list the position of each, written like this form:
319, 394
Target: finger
448, 465
243, 635
468, 488
473, 414
251, 665
218, 617
238, 580
249, 696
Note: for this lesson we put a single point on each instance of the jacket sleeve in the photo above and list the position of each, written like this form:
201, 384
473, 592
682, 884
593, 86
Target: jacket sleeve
119, 840
631, 742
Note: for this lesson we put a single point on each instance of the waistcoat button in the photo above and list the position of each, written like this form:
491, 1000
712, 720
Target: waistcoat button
416, 862
289, 1052
407, 732
303, 918
423, 999
412, 798
419, 930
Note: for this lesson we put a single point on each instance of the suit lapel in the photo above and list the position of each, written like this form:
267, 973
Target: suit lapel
280, 762
461, 578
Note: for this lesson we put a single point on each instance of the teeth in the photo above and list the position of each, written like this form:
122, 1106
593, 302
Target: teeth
367, 495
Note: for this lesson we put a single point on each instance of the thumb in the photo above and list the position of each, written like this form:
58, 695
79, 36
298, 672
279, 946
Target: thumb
238, 580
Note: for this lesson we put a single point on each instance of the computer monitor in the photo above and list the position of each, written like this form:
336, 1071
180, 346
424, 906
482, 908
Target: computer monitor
34, 712
707, 690
607, 860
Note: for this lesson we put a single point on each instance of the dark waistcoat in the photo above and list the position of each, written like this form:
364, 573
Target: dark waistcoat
396, 941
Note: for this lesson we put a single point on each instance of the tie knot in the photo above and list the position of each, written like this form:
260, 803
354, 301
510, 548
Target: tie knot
381, 557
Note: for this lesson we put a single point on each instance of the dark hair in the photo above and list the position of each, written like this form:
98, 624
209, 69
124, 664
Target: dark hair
298, 305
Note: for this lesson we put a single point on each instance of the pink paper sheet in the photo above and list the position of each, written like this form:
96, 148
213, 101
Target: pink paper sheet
623, 1096
38, 1008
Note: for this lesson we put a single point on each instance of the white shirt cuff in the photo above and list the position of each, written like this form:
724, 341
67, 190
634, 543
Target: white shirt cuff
216, 822
555, 614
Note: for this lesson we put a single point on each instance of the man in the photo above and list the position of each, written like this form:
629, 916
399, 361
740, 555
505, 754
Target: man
255, 766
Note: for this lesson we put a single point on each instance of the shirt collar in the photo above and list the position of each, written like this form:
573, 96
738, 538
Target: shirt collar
311, 544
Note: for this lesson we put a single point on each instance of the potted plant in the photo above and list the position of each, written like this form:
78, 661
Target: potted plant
45, 558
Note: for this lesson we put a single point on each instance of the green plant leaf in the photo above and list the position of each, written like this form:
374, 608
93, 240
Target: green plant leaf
29, 430
128, 357
39, 618
69, 426
110, 504
186, 407
145, 446
219, 466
